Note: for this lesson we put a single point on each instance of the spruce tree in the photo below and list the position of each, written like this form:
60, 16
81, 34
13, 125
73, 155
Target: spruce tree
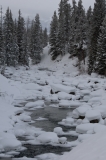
2, 52
61, 31
53, 36
80, 37
45, 37
73, 26
100, 66
98, 16
23, 55
36, 41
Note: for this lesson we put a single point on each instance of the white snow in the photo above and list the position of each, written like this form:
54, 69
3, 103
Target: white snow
30, 90
48, 137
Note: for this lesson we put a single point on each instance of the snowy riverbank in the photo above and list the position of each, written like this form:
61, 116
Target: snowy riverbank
58, 82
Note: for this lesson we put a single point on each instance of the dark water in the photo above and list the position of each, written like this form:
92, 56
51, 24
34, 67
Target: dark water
54, 115
34, 150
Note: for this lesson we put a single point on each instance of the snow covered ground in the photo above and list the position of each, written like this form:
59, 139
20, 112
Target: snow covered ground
53, 81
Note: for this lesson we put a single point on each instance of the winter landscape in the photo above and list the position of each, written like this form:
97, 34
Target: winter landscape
53, 84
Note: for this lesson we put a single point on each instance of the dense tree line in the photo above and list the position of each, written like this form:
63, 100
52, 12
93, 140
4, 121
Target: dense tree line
82, 34
20, 40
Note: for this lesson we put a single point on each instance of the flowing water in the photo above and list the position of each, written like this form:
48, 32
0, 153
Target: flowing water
53, 116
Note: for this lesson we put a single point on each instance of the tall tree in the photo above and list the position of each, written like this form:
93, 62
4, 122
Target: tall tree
23, 55
100, 66
45, 37
36, 41
98, 16
53, 36
61, 31
2, 53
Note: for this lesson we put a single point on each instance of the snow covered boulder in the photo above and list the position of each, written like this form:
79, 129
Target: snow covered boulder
101, 109
25, 118
95, 100
84, 128
83, 137
58, 130
75, 114
64, 96
69, 104
85, 92
69, 120
55, 88
48, 137
9, 141
32, 86
35, 104
82, 110
93, 116
63, 140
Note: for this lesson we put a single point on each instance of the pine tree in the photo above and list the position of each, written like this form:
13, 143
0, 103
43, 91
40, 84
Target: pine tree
61, 31
100, 66
81, 33
2, 53
23, 55
88, 26
45, 37
53, 36
98, 16
67, 19
36, 41
73, 26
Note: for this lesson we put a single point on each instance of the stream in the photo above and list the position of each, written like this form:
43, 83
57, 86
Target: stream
53, 116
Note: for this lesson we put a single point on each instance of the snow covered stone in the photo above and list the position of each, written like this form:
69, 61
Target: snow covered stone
83, 137
25, 118
62, 88
32, 86
64, 96
69, 120
82, 110
48, 137
84, 128
58, 130
9, 141
62, 140
69, 104
35, 104
75, 114
85, 92
93, 115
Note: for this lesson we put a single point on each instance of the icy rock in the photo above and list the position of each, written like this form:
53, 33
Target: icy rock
35, 104
95, 100
48, 137
75, 114
85, 92
68, 104
82, 110
84, 128
32, 86
62, 140
79, 121
25, 118
64, 96
58, 130
83, 137
93, 115
19, 132
69, 120
99, 128
61, 88
84, 121
9, 141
